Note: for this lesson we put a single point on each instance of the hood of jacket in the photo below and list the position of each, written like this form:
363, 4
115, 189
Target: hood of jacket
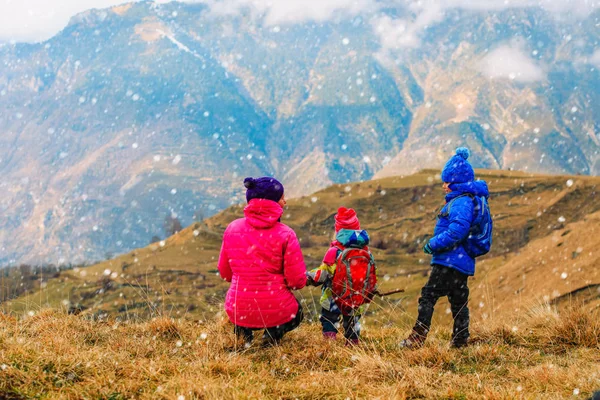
263, 213
476, 188
351, 238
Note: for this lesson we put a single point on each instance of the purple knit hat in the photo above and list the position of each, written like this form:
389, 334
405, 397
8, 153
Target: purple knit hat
263, 188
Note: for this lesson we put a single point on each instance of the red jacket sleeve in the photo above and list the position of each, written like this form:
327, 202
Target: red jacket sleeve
224, 267
294, 268
331, 256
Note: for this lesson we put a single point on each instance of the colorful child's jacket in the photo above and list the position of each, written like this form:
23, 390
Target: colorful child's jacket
324, 274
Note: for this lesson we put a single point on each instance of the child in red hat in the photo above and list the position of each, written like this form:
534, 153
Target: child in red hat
349, 237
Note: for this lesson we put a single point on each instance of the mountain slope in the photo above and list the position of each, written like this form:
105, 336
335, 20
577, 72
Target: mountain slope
147, 113
539, 220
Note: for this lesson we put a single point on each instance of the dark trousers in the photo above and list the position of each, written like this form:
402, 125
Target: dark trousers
331, 319
445, 281
273, 334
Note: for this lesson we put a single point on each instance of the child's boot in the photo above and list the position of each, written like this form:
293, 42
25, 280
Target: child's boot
329, 335
352, 342
459, 343
413, 341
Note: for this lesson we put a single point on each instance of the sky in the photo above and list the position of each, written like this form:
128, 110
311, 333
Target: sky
38, 20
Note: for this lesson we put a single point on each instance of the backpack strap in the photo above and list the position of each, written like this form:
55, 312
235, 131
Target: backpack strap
370, 270
348, 282
449, 205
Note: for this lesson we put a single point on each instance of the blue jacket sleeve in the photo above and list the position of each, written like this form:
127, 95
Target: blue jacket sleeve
461, 216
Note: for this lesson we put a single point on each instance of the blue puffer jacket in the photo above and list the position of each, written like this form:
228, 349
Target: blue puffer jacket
453, 227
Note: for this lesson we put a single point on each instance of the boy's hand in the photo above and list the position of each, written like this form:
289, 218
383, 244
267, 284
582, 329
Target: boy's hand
427, 249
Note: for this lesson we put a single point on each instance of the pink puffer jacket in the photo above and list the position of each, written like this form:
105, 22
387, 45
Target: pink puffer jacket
261, 258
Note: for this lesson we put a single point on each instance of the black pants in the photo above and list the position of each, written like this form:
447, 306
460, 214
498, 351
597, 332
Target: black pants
445, 281
329, 320
273, 334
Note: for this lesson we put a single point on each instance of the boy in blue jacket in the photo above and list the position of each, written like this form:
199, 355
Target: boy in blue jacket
451, 264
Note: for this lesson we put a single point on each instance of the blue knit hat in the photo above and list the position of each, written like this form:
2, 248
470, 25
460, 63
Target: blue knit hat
263, 188
458, 169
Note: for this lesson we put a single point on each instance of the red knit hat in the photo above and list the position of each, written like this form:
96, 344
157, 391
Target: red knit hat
346, 219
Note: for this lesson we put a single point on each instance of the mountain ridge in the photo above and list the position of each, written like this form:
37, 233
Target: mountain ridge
145, 112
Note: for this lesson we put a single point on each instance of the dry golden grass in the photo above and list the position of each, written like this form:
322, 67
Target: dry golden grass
53, 355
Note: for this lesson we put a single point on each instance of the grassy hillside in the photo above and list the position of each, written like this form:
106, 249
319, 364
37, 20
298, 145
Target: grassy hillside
544, 250
152, 324
57, 356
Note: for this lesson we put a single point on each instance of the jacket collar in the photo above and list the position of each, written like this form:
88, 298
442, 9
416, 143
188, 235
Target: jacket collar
262, 213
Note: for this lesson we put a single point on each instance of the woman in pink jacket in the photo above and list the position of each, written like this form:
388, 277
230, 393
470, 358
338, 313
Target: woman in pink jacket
261, 258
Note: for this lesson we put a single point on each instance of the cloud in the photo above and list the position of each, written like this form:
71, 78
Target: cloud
574, 7
402, 33
295, 11
595, 59
511, 62
38, 20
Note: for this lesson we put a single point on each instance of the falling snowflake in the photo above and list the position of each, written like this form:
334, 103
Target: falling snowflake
346, 41
570, 183
564, 275
561, 219
177, 159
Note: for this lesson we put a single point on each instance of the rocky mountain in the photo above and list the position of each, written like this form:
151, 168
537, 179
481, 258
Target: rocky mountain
137, 117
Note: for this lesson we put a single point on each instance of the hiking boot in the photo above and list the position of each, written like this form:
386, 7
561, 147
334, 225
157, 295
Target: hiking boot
269, 340
329, 335
244, 334
459, 344
413, 341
